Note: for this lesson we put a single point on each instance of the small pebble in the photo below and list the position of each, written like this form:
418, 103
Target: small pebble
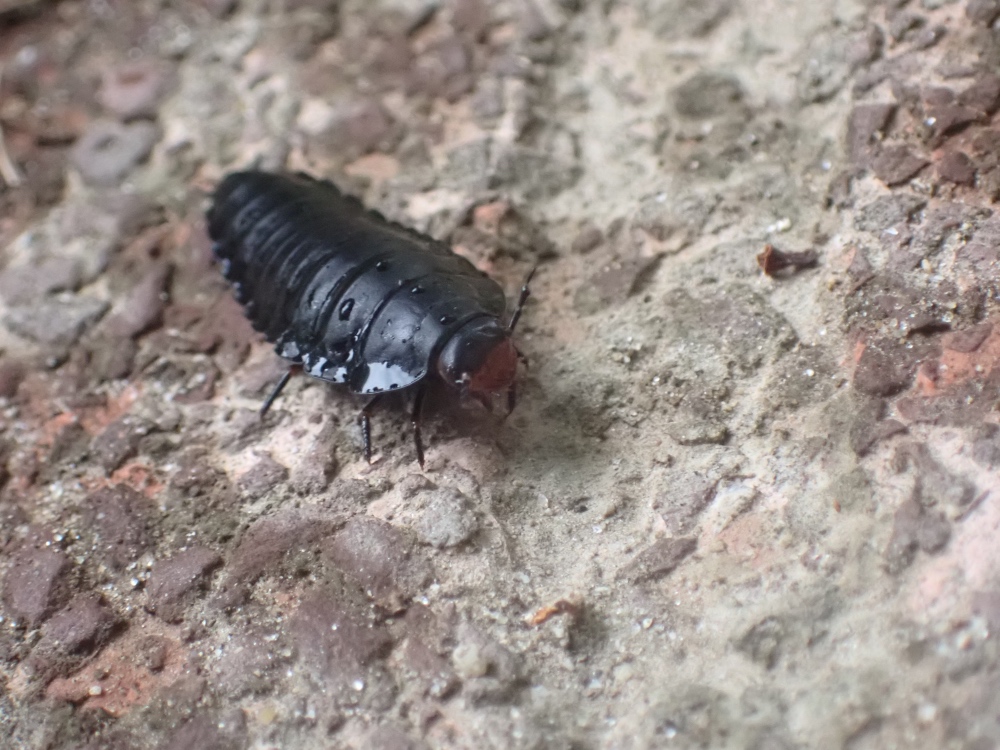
108, 151
135, 89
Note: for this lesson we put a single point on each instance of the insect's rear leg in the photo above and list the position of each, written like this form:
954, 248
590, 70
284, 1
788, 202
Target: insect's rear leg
366, 426
278, 388
418, 405
511, 399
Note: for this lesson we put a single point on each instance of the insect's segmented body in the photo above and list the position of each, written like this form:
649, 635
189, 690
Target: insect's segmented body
340, 290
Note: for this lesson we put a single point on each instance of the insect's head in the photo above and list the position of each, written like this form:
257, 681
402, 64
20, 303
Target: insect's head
479, 359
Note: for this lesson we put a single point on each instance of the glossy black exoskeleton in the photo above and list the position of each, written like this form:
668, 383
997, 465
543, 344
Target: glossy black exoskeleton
350, 297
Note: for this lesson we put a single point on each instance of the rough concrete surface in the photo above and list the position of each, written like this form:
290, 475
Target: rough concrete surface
749, 497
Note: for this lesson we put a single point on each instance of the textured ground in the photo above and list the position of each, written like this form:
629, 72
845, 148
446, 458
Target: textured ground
734, 509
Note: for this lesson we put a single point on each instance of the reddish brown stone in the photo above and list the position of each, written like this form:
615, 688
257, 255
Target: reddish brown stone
865, 435
267, 542
614, 283
335, 637
956, 167
119, 441
949, 119
142, 308
424, 657
914, 529
381, 559
986, 604
12, 372
983, 11
218, 8
224, 331
218, 732
928, 36
968, 340
986, 145
471, 17
358, 128
256, 380
135, 89
119, 517
36, 584
263, 478
860, 269
895, 165
865, 127
176, 581
319, 464
983, 95
428, 670
111, 360
444, 70
195, 475
659, 559
884, 369
587, 239
70, 445
958, 406
683, 502
248, 661
71, 635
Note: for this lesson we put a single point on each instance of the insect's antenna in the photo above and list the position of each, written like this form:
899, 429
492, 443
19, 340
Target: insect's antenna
522, 298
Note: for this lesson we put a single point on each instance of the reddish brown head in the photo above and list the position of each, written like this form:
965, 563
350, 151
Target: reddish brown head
479, 359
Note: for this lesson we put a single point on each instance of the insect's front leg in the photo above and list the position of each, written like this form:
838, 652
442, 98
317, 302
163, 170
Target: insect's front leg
418, 405
366, 426
278, 388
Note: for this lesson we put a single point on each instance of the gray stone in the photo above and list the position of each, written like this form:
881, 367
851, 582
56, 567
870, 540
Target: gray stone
447, 519
56, 322
108, 151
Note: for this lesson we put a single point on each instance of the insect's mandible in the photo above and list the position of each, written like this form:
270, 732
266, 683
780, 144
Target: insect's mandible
350, 297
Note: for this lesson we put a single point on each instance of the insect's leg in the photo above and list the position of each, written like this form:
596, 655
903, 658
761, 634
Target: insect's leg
485, 400
418, 405
522, 298
366, 426
523, 357
278, 388
511, 398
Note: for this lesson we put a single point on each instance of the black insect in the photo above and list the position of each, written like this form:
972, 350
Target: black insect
350, 297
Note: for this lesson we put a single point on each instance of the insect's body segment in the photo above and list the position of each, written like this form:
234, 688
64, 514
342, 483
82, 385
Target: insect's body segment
341, 291
353, 298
